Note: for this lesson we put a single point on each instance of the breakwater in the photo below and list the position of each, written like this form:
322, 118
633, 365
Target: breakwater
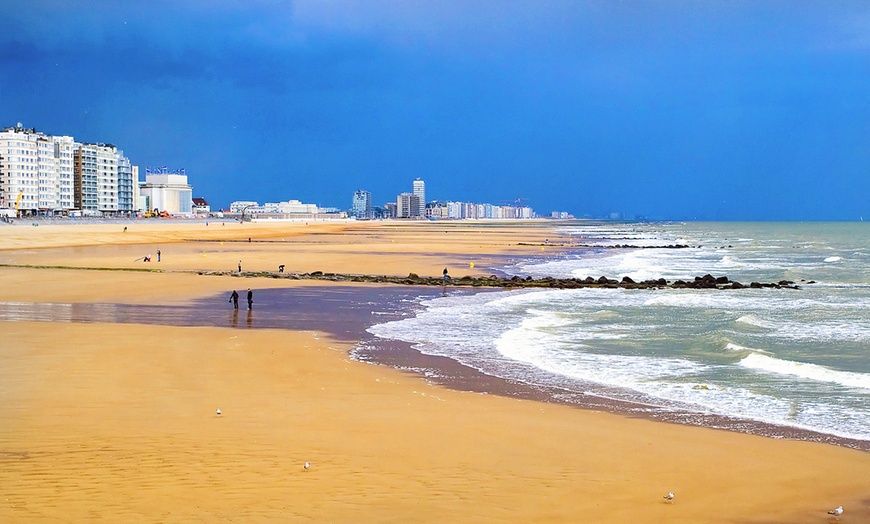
495, 281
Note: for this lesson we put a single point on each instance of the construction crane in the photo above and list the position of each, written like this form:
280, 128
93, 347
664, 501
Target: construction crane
18, 202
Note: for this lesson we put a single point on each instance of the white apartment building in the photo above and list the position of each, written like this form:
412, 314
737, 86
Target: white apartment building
56, 174
107, 178
420, 192
104, 180
36, 171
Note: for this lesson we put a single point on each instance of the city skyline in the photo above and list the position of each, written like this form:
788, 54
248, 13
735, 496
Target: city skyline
712, 110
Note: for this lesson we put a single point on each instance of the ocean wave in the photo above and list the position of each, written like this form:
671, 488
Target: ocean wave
833, 259
807, 371
731, 346
754, 321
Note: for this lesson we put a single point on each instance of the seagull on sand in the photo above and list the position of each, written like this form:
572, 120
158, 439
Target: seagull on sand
669, 497
307, 466
836, 511
218, 412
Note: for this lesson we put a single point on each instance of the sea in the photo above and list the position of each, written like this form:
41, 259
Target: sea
793, 357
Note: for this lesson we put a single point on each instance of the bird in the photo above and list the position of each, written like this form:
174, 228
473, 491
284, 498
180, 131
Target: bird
836, 511
218, 411
307, 466
669, 497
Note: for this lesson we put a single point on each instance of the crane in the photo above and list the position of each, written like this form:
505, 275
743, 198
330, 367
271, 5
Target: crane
18, 202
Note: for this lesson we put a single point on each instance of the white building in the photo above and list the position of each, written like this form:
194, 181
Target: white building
36, 171
56, 174
240, 205
168, 192
276, 210
420, 192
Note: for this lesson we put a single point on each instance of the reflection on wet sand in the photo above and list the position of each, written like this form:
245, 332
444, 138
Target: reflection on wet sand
344, 312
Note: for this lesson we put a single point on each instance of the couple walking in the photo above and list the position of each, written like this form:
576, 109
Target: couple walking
234, 298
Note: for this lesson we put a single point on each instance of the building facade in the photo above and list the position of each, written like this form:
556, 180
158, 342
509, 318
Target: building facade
362, 204
420, 192
36, 171
168, 192
408, 206
45, 174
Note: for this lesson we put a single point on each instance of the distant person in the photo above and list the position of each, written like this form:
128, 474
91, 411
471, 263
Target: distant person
234, 298
281, 268
240, 266
250, 299
446, 277
125, 229
158, 255
148, 257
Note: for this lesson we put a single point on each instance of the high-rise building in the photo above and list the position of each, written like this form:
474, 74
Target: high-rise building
362, 204
126, 183
47, 174
407, 206
35, 171
420, 192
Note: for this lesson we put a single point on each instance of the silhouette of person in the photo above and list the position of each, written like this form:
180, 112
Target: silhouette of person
250, 299
234, 298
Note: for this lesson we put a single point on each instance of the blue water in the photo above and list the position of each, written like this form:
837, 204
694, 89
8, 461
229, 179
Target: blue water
791, 357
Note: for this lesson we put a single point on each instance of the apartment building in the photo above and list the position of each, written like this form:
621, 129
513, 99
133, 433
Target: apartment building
44, 174
36, 171
362, 204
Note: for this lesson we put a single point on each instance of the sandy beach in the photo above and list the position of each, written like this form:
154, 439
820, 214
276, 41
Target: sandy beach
117, 422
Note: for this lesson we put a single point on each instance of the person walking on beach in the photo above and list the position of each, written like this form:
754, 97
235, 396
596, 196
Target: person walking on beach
158, 255
240, 266
250, 299
446, 277
234, 298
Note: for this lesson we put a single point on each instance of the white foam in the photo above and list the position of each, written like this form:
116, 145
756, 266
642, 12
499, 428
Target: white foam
833, 259
807, 371
754, 321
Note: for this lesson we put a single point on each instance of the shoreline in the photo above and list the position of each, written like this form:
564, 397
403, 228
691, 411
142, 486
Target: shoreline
346, 311
117, 420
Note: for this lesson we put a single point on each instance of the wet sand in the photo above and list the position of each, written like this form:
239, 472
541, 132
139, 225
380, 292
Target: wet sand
114, 421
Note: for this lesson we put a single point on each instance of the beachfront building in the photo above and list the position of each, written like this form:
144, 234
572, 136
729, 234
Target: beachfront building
127, 184
167, 191
200, 206
36, 171
469, 210
103, 180
47, 175
420, 193
408, 206
362, 204
436, 210
289, 210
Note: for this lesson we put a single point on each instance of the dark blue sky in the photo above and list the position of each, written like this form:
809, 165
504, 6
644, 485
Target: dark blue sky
755, 110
